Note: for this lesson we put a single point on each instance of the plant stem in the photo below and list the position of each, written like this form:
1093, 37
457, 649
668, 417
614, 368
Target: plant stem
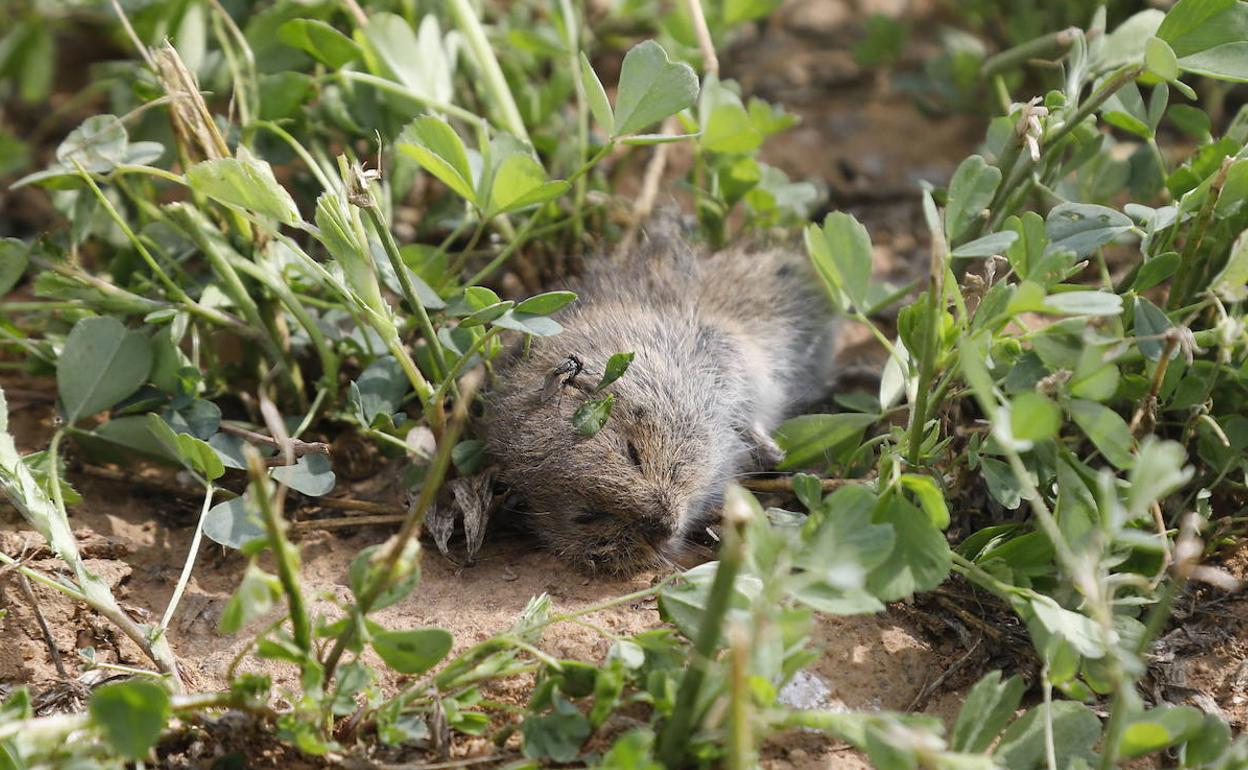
399, 89
187, 567
927, 357
675, 734
396, 547
459, 366
284, 553
1120, 78
572, 29
506, 253
299, 150
1191, 268
1039, 48
233, 288
405, 283
493, 80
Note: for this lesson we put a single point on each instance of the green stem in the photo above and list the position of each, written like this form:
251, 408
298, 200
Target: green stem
189, 565
572, 28
927, 356
324, 352
299, 150
399, 89
458, 368
1191, 268
171, 287
675, 735
397, 546
233, 288
1042, 47
405, 283
1121, 77
283, 552
495, 84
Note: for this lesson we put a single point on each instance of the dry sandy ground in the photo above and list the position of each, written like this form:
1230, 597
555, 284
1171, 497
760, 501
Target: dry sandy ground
870, 146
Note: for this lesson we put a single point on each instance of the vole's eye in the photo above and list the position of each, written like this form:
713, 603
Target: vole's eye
589, 517
633, 455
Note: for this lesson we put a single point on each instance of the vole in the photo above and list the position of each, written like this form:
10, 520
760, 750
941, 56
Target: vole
726, 345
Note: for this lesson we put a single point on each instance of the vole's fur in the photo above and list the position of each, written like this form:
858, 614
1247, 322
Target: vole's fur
726, 346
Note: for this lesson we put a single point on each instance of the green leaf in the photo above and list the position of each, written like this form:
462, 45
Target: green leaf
841, 253
1003, 485
419, 60
812, 438
1159, 728
597, 96
1187, 16
326, 44
1106, 429
380, 389
996, 243
486, 314
930, 496
970, 192
1158, 269
233, 523
1084, 227
254, 598
592, 415
634, 750
683, 604
838, 555
617, 364
1094, 303
651, 88
920, 559
433, 144
98, 145
194, 453
728, 128
244, 182
102, 363
412, 652
14, 257
988, 707
520, 182
312, 475
546, 303
527, 323
1075, 731
1231, 282
556, 736
1074, 628
1160, 59
366, 568
131, 715
1160, 470
1151, 321
1034, 417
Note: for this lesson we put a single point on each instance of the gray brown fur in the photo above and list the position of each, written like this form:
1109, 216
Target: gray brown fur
726, 346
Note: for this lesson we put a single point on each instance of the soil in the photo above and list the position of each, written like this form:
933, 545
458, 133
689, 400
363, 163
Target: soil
870, 146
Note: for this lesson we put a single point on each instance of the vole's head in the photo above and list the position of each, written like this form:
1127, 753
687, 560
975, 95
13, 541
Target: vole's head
624, 498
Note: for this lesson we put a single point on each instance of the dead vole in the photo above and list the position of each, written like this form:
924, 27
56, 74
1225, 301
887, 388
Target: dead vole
726, 346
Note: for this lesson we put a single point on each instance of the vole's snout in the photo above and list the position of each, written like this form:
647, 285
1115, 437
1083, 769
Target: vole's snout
657, 529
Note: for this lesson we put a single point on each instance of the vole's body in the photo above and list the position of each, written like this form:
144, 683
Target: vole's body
726, 346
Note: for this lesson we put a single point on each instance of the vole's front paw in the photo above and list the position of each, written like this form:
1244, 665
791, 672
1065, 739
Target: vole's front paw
767, 451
